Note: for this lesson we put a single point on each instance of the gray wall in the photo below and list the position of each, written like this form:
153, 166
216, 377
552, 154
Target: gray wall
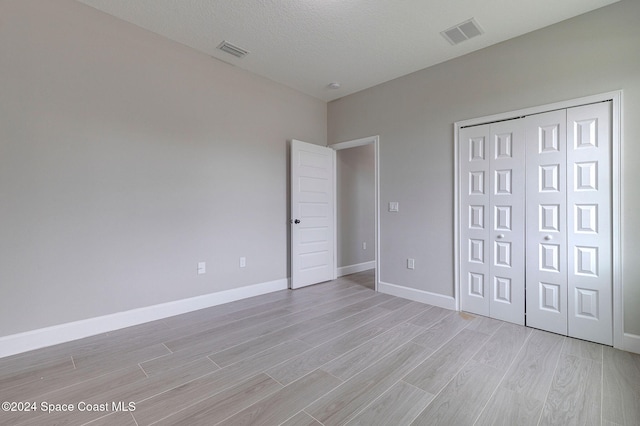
125, 159
414, 115
355, 204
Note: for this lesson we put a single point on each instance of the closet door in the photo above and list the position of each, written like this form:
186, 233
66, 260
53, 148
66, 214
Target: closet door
507, 270
546, 269
569, 259
474, 152
492, 220
589, 234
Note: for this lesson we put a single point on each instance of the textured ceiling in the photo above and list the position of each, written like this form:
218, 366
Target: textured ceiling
307, 44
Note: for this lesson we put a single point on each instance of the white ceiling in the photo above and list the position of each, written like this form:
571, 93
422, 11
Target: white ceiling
307, 44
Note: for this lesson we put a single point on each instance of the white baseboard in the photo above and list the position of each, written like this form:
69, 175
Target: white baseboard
421, 296
40, 338
358, 267
632, 343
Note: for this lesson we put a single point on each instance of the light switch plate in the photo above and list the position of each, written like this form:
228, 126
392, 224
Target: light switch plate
394, 206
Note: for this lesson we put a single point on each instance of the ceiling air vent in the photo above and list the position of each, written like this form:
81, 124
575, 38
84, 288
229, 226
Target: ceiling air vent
461, 32
236, 51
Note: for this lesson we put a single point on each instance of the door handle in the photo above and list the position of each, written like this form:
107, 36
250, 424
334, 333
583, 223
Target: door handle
500, 236
548, 237
297, 221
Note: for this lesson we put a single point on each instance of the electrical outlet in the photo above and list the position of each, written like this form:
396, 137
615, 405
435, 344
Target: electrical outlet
394, 206
243, 262
202, 268
411, 264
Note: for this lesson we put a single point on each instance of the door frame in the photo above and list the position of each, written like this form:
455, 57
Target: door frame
616, 191
375, 140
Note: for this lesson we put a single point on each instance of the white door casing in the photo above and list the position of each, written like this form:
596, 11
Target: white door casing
312, 214
492, 220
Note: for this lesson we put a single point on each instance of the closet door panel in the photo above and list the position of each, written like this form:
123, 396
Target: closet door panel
506, 235
589, 223
474, 156
546, 211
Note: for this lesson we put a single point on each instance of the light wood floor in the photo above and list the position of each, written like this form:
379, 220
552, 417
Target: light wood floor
331, 354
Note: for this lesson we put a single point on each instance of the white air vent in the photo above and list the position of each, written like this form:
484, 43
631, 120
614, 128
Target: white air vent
236, 51
461, 32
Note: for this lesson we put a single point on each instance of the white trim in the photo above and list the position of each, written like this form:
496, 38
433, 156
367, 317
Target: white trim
358, 267
617, 226
446, 302
36, 339
456, 217
620, 339
375, 140
631, 343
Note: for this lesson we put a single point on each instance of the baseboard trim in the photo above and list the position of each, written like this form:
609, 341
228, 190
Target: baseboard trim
43, 337
358, 267
416, 295
632, 343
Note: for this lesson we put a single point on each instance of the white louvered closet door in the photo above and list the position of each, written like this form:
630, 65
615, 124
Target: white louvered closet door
492, 220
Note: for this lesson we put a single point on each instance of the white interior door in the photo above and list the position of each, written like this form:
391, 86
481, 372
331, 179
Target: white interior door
312, 214
589, 230
569, 233
507, 289
474, 219
546, 221
492, 220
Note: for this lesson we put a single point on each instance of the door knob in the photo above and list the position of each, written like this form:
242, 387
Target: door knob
548, 237
500, 236
297, 221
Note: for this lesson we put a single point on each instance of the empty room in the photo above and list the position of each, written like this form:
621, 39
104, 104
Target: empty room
319, 212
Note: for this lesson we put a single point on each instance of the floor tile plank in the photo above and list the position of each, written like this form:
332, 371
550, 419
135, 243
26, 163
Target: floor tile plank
349, 399
443, 330
398, 406
621, 387
532, 371
435, 372
575, 394
463, 398
215, 408
302, 419
220, 380
275, 408
502, 348
367, 354
508, 408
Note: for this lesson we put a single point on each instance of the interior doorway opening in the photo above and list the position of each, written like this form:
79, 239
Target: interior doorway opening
357, 208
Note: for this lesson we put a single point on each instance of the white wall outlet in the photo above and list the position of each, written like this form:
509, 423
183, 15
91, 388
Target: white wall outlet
243, 262
394, 206
364, 246
411, 263
202, 268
